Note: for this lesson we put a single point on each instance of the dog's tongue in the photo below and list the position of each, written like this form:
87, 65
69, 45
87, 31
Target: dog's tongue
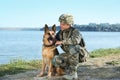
51, 42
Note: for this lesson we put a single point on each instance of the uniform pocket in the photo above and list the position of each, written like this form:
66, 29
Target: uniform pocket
72, 50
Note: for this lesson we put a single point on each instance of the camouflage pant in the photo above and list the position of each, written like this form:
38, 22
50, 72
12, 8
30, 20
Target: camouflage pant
66, 61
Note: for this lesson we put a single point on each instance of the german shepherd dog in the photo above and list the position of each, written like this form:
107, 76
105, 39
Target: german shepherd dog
49, 50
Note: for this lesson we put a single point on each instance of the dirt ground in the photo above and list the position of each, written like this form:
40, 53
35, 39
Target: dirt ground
93, 69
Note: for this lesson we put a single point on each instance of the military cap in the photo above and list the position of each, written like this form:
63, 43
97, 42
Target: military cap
66, 18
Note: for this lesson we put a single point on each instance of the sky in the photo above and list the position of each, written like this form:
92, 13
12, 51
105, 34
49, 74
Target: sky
37, 13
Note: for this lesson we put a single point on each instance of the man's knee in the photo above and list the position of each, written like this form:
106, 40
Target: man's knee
57, 61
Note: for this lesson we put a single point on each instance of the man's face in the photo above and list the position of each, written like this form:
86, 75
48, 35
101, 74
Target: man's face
64, 26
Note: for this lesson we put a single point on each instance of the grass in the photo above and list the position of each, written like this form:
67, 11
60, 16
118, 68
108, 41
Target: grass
18, 66
104, 52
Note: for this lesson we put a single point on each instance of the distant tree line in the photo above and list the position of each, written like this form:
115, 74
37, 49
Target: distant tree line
99, 27
105, 27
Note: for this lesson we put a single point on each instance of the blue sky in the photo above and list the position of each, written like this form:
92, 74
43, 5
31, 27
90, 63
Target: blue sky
37, 13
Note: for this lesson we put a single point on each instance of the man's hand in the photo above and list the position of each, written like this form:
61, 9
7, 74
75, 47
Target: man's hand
58, 42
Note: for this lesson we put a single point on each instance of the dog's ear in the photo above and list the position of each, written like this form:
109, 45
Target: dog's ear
54, 28
46, 28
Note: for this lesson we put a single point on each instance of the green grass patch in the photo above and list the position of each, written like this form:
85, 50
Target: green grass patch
19, 65
104, 52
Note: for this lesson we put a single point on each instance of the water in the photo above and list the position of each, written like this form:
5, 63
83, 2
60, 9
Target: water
20, 44
28, 44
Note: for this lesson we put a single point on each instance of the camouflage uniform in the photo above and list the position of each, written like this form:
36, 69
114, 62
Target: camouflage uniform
72, 43
72, 46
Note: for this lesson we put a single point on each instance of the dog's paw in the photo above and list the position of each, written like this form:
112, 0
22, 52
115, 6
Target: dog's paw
49, 75
40, 75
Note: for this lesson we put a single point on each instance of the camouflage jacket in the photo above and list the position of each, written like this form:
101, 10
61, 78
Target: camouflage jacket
73, 42
70, 38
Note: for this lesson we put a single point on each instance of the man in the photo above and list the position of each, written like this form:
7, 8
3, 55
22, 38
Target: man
71, 42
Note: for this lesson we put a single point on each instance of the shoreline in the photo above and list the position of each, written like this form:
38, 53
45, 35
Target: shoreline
103, 66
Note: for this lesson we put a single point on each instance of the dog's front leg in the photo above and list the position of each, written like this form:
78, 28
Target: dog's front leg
43, 69
50, 69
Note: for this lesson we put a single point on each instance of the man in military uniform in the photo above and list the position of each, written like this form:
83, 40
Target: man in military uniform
71, 42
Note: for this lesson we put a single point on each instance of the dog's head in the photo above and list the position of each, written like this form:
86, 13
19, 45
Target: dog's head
49, 35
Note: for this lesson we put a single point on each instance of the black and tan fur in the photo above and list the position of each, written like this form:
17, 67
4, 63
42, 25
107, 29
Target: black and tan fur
49, 50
